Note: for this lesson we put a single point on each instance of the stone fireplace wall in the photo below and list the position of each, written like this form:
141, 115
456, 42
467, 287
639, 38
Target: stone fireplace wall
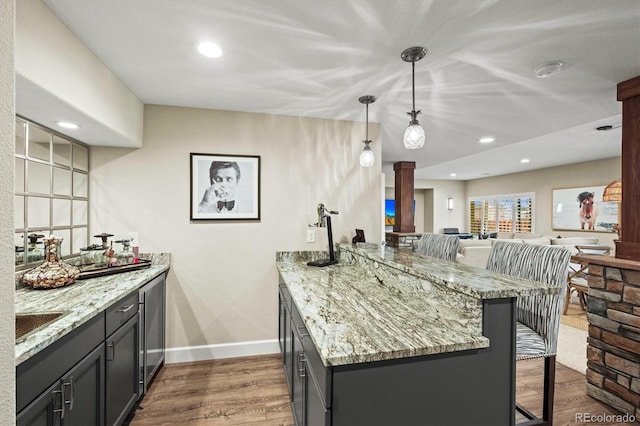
401, 239
613, 352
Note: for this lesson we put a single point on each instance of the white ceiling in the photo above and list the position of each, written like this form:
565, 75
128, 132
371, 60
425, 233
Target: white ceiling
316, 58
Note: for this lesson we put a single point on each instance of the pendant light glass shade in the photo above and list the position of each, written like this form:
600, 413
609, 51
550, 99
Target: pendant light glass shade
414, 136
366, 156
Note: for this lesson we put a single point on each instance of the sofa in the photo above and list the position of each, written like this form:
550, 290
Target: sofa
476, 252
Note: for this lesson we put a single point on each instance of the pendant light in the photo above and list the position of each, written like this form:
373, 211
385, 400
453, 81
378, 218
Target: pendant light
366, 156
414, 135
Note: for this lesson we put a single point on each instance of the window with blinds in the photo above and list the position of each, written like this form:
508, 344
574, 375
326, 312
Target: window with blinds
501, 213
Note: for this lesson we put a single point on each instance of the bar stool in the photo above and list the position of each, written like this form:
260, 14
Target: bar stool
438, 245
538, 317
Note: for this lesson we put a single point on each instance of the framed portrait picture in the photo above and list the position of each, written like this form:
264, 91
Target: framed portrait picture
582, 209
225, 187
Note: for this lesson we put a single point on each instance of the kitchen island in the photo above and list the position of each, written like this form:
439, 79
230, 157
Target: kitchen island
389, 337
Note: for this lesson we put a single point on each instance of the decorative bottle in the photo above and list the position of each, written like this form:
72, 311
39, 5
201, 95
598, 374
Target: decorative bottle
54, 272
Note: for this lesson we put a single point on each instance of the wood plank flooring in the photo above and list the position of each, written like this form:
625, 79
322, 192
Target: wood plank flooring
253, 391
233, 391
570, 397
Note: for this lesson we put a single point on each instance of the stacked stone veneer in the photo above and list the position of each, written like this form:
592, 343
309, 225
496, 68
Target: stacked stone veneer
613, 352
401, 240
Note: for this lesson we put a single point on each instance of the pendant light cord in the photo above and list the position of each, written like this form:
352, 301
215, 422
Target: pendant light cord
366, 128
413, 83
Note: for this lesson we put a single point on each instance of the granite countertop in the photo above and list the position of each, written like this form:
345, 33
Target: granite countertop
380, 303
80, 302
477, 282
352, 317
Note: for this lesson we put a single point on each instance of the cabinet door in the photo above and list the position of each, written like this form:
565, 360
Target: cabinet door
315, 411
152, 329
282, 320
83, 390
289, 368
43, 411
299, 383
122, 371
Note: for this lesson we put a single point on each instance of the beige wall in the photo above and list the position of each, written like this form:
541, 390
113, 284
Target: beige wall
7, 266
222, 285
593, 173
431, 197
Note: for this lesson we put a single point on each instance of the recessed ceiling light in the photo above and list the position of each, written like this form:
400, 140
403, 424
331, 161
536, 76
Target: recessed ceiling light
210, 50
524, 160
548, 68
67, 125
452, 175
486, 139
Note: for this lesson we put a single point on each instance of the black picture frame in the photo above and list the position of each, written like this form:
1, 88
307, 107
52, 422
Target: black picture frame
224, 187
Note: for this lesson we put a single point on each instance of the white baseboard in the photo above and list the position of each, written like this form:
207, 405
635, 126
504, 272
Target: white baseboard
226, 350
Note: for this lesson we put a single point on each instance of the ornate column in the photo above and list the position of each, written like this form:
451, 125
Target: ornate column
628, 247
404, 196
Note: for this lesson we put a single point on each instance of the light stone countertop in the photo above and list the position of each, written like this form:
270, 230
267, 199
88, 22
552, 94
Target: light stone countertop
353, 318
80, 301
359, 311
473, 281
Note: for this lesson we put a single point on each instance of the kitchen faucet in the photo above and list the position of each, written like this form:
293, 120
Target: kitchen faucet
324, 220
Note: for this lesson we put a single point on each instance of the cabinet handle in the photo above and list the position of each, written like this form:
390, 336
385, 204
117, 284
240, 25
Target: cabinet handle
61, 410
302, 335
73, 393
302, 372
111, 346
126, 308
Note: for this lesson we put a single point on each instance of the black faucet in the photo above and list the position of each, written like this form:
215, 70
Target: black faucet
325, 220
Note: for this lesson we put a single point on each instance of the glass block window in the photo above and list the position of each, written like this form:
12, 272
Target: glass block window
51, 192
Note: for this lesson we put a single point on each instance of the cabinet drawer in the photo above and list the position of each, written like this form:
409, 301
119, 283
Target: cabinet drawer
120, 312
321, 375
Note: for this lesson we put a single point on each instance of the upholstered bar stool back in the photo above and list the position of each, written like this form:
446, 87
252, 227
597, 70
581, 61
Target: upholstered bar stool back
438, 245
538, 317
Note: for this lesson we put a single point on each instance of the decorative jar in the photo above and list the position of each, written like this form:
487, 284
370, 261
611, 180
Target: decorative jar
54, 272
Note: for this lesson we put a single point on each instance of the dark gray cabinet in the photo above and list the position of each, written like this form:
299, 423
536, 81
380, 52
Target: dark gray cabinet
77, 399
308, 379
122, 347
414, 390
43, 410
152, 313
95, 374
49, 384
285, 336
83, 391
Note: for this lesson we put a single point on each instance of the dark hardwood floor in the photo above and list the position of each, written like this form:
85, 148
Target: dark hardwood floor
253, 391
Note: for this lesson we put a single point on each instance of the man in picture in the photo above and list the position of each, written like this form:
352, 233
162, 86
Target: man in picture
220, 197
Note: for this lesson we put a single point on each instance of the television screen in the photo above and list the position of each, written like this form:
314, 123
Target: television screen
390, 213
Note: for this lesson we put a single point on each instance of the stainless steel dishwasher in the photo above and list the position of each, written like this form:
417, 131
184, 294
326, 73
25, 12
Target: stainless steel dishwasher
151, 298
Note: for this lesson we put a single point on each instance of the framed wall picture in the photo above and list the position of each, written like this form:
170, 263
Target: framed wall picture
582, 209
225, 187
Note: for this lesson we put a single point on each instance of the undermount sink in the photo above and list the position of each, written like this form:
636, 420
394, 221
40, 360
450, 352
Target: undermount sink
28, 322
